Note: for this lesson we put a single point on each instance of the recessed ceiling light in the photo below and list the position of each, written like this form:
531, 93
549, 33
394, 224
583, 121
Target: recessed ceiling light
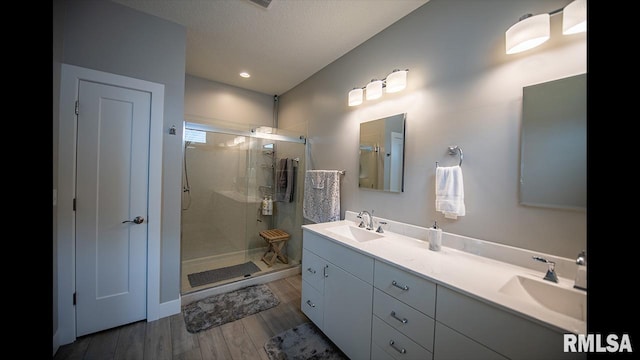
245, 74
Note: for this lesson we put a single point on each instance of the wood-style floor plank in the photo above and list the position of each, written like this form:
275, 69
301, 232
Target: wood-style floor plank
168, 339
259, 332
103, 345
240, 345
73, 351
131, 341
182, 340
157, 343
282, 317
212, 345
193, 354
296, 282
283, 290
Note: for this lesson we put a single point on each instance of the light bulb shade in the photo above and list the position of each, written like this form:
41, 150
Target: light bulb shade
396, 81
374, 89
528, 33
355, 97
574, 17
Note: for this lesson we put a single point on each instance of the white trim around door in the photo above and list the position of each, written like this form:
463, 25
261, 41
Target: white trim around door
69, 81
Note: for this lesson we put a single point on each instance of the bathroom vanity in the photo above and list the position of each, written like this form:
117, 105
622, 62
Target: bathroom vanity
387, 296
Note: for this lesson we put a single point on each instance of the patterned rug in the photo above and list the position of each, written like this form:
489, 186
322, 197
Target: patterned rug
220, 309
302, 342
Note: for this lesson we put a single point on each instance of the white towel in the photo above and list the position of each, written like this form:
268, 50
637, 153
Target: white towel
321, 201
450, 191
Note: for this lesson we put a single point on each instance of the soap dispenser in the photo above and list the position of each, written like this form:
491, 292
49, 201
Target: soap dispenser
581, 272
434, 236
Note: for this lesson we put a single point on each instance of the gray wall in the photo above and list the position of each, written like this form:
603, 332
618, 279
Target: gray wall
213, 102
106, 36
462, 90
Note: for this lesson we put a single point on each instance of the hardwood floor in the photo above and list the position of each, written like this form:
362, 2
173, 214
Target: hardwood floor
168, 338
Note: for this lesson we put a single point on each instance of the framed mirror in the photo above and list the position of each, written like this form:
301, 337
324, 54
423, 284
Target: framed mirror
553, 158
382, 154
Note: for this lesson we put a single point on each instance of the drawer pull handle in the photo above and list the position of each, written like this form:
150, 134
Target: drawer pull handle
403, 320
311, 270
310, 303
325, 271
401, 351
402, 287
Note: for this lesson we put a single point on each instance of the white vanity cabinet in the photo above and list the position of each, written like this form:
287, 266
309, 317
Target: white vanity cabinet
373, 307
337, 292
403, 309
466, 325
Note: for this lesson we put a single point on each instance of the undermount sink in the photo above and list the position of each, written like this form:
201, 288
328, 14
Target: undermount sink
567, 301
354, 233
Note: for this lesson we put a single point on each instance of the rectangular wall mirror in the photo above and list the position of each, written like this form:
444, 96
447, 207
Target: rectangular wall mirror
382, 154
553, 159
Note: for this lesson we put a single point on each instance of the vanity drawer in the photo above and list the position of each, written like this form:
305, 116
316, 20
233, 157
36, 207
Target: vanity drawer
409, 321
395, 344
406, 287
378, 354
313, 270
349, 260
511, 335
451, 345
311, 303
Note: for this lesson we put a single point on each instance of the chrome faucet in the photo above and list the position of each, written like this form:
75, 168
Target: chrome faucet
551, 271
369, 226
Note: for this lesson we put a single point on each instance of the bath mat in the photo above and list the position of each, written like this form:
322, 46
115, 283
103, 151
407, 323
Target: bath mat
302, 342
220, 309
225, 273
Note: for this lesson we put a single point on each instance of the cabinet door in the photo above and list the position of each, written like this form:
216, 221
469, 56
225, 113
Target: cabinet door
347, 312
451, 345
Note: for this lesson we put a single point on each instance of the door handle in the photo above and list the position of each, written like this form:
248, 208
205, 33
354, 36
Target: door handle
137, 220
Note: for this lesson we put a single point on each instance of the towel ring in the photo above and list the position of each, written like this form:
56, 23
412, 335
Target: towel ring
452, 151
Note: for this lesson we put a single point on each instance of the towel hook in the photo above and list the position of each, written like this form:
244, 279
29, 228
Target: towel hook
452, 151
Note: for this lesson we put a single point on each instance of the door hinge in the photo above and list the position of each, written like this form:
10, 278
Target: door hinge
77, 107
74, 298
74, 204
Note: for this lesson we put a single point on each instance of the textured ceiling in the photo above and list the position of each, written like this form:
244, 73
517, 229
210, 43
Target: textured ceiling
280, 46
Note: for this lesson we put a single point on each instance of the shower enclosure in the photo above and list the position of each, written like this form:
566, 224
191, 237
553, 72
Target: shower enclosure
227, 173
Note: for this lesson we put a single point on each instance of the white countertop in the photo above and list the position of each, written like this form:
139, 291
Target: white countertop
474, 275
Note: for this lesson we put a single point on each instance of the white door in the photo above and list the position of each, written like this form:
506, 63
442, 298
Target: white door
111, 191
397, 156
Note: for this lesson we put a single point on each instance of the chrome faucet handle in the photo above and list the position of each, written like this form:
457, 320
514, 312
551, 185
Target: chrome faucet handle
582, 258
551, 271
380, 230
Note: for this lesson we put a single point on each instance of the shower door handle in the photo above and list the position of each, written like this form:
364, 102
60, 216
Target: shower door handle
136, 220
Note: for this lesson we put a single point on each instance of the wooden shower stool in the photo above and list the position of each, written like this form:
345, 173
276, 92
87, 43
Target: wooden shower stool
276, 239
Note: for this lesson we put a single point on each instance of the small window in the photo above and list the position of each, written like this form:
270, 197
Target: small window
196, 136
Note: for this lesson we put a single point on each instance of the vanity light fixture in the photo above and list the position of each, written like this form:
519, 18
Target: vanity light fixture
355, 96
574, 18
531, 31
394, 82
374, 89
